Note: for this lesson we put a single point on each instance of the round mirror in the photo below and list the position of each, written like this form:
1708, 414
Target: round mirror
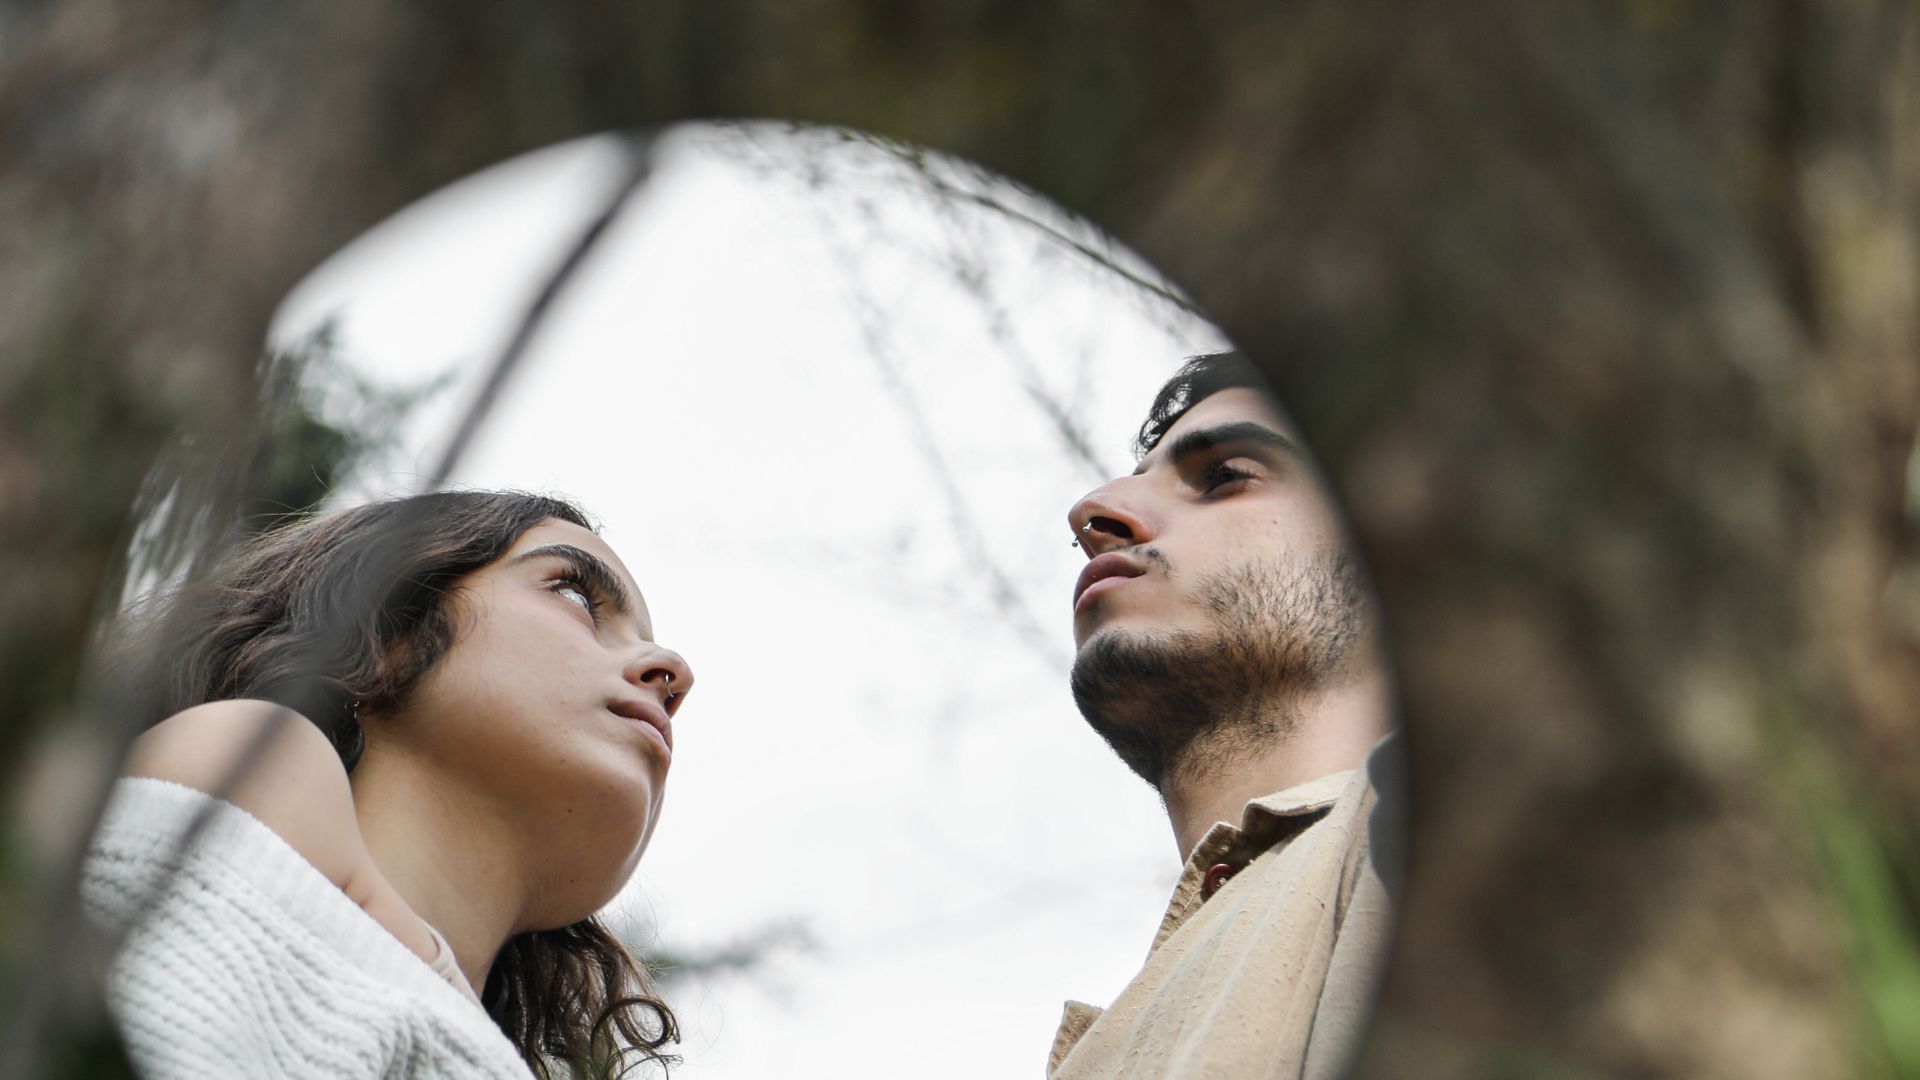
832, 398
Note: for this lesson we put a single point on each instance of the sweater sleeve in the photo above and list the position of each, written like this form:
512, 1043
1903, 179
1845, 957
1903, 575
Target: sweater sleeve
240, 959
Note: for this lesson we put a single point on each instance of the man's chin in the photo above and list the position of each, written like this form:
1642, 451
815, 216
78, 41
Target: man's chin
1084, 636
1098, 635
1138, 635
1144, 692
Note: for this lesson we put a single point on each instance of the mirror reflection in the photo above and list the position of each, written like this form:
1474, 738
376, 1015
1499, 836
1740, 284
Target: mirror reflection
909, 472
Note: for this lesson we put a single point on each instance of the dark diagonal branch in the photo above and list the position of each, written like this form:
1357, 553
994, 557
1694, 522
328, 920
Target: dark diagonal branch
639, 164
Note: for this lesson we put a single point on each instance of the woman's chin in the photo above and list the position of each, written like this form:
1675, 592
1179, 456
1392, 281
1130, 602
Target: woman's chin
570, 901
590, 880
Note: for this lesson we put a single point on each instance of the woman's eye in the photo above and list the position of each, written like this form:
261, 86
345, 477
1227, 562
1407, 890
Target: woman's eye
578, 595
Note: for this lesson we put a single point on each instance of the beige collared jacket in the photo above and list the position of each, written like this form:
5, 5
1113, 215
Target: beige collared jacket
1268, 958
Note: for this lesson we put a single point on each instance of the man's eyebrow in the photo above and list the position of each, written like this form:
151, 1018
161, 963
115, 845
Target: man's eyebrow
1232, 433
596, 574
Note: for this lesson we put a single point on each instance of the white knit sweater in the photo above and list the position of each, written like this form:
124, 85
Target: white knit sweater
252, 963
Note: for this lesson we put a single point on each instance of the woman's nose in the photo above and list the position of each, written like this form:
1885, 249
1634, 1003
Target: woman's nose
663, 670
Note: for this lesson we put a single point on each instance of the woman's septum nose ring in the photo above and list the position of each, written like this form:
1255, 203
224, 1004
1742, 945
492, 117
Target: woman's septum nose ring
666, 680
1085, 530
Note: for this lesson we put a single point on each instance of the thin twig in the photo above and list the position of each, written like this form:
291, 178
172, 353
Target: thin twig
1001, 587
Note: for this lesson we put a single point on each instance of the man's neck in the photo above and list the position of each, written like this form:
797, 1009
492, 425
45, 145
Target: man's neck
1327, 731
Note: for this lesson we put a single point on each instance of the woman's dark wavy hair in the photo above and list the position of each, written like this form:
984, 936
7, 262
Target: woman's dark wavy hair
353, 606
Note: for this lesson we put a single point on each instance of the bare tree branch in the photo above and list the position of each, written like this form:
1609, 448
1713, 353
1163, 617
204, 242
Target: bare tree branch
639, 164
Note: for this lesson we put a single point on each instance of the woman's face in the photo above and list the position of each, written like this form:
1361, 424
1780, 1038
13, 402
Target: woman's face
551, 714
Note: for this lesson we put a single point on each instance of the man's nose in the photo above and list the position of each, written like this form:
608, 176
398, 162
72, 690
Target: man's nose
1106, 519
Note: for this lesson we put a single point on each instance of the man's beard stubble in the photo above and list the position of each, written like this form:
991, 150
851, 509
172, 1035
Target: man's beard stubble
1182, 701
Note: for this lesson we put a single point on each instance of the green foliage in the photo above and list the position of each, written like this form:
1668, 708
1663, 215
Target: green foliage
1866, 866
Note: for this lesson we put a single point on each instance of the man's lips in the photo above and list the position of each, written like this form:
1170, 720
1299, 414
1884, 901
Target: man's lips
651, 713
1113, 564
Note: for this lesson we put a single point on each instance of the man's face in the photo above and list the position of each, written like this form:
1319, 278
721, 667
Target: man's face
1217, 588
1225, 490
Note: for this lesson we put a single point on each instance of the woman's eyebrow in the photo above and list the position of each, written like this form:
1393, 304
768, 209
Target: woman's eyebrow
597, 574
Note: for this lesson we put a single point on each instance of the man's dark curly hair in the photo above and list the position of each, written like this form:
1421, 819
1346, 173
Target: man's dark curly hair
1199, 378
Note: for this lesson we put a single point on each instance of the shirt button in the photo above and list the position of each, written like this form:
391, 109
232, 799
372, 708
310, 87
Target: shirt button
1217, 875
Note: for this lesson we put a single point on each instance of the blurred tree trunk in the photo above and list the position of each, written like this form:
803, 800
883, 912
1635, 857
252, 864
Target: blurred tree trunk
1601, 315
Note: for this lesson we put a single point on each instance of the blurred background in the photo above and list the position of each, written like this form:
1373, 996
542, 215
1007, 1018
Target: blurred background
1601, 317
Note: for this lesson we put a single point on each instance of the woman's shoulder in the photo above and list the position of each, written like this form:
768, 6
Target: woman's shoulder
269, 761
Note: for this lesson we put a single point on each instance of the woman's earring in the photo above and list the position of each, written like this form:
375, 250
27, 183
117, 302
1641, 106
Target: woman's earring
352, 742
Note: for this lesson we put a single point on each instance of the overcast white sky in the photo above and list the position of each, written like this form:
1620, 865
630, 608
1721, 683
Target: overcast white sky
756, 386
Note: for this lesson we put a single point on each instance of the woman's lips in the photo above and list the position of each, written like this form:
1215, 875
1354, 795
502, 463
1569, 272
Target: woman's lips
650, 715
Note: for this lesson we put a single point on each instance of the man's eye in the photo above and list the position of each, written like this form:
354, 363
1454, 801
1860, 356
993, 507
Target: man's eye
576, 594
1220, 474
